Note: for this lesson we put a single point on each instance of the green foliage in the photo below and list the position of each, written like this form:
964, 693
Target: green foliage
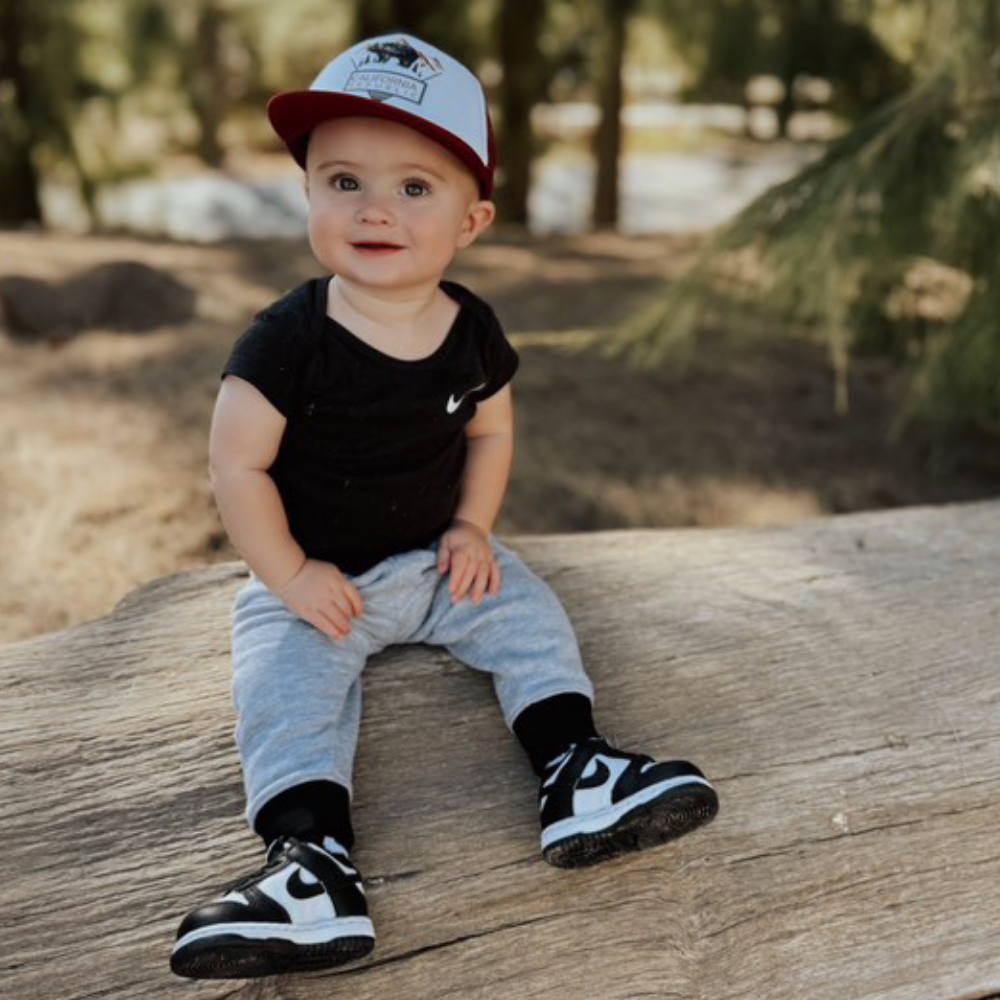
913, 190
43, 84
728, 42
95, 90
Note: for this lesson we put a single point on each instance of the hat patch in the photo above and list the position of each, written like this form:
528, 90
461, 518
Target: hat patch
393, 70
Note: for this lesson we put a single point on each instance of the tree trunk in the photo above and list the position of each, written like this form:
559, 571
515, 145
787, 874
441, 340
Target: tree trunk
790, 17
519, 24
443, 23
208, 84
19, 181
608, 138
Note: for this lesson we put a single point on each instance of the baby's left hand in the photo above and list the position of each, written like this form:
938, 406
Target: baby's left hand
465, 551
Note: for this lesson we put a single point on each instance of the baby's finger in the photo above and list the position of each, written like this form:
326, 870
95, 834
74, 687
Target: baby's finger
327, 623
464, 580
480, 583
354, 601
494, 587
341, 609
340, 617
459, 566
444, 557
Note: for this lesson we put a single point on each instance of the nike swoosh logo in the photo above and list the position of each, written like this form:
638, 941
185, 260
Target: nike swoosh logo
454, 404
300, 890
601, 774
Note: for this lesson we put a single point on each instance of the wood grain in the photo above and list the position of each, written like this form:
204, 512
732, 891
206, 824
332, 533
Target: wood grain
837, 679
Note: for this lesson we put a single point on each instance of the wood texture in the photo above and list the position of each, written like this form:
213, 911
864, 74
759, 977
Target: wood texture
837, 679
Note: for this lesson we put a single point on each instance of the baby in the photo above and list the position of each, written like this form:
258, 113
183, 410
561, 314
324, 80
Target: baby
360, 450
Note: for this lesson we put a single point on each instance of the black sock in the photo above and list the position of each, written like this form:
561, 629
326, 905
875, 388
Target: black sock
310, 811
549, 726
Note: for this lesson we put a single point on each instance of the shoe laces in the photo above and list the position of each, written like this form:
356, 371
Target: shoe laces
557, 762
273, 861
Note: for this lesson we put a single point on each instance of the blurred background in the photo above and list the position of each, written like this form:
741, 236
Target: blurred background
106, 102
747, 249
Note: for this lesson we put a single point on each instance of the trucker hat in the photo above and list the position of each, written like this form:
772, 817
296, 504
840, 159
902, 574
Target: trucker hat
405, 80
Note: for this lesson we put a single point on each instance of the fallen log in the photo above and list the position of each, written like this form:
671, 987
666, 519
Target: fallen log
837, 679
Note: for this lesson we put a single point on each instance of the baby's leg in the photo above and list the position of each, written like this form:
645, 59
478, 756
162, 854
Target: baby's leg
298, 698
523, 637
297, 695
595, 801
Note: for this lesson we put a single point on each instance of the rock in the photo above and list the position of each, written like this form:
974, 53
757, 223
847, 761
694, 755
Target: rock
124, 295
33, 310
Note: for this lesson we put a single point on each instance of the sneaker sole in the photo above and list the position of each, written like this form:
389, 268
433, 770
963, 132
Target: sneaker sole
230, 956
677, 812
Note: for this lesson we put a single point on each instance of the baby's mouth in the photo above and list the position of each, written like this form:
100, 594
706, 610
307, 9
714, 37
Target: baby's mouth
376, 246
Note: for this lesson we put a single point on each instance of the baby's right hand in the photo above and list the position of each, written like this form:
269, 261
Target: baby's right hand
321, 595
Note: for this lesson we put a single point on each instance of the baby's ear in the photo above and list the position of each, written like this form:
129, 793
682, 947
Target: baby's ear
478, 218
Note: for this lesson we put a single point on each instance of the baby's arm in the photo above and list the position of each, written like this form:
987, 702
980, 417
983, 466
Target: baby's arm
465, 548
246, 433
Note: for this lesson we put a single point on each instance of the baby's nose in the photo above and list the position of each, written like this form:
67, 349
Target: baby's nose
375, 209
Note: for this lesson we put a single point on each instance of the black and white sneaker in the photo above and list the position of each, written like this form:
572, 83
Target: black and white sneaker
305, 909
597, 802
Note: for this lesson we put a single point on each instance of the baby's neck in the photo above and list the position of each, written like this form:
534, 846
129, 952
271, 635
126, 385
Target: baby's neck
408, 327
404, 310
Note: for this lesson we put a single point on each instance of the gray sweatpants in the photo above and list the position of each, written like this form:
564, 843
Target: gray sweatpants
297, 693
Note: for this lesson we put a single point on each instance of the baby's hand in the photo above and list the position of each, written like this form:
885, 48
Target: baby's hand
321, 595
465, 551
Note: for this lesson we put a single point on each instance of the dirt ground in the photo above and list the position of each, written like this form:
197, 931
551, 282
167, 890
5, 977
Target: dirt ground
103, 439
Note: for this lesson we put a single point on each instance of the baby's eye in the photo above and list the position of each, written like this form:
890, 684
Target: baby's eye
416, 189
344, 182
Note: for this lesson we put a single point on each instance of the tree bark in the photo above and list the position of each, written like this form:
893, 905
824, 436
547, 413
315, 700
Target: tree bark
19, 181
443, 23
608, 138
519, 25
836, 680
208, 82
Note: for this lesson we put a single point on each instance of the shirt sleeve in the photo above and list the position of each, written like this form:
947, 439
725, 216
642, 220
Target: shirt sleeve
268, 353
500, 360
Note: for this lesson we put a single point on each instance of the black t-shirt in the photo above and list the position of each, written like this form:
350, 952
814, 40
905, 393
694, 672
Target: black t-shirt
372, 457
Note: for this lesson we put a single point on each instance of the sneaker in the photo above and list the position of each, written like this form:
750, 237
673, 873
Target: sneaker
597, 802
305, 909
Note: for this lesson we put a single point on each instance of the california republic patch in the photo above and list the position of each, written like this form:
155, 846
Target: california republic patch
393, 69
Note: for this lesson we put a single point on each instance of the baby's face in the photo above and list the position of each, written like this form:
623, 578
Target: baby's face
388, 208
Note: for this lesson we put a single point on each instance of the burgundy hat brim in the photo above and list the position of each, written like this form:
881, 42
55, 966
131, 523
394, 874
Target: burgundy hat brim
295, 113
